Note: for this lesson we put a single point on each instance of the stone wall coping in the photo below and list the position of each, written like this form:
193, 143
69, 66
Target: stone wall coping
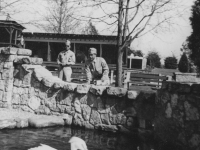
15, 51
190, 74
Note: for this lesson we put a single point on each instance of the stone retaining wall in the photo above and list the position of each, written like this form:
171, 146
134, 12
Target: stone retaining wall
28, 86
177, 114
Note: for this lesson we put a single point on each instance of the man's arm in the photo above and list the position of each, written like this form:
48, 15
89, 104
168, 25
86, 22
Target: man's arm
73, 59
58, 59
88, 73
105, 69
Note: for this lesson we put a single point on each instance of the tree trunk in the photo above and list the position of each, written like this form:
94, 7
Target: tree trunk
119, 45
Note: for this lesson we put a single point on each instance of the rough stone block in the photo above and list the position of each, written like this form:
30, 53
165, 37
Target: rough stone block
36, 61
34, 102
24, 99
16, 99
133, 94
67, 119
39, 71
1, 95
7, 124
25, 52
7, 58
105, 119
97, 90
7, 97
9, 50
1, 67
2, 85
117, 119
21, 123
8, 85
43, 110
103, 127
86, 110
22, 60
185, 77
70, 86
95, 117
45, 121
59, 84
116, 91
17, 82
83, 88
48, 82
191, 112
8, 65
7, 73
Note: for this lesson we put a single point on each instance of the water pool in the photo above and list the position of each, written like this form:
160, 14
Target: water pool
22, 139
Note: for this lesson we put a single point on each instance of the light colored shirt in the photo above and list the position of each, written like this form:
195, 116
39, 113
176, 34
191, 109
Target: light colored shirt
96, 69
66, 58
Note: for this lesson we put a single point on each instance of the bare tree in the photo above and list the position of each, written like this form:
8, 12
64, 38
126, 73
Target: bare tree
10, 7
135, 18
58, 17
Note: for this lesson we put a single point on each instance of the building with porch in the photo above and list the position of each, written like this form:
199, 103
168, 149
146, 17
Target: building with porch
49, 45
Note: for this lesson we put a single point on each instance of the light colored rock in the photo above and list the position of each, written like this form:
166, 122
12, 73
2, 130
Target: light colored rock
67, 119
97, 90
83, 88
7, 97
1, 95
8, 85
22, 60
41, 72
86, 110
9, 50
36, 61
21, 123
25, 52
103, 127
9, 123
95, 117
16, 99
50, 80
59, 84
45, 121
34, 102
105, 119
70, 86
77, 106
2, 87
133, 94
185, 77
7, 73
8, 65
120, 92
168, 111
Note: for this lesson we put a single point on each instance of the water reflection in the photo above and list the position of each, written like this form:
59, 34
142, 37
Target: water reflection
58, 138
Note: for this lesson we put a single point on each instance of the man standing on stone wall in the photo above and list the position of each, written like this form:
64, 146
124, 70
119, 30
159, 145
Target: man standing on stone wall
65, 60
96, 68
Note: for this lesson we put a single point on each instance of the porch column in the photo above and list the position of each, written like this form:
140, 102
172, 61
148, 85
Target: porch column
49, 52
75, 48
100, 50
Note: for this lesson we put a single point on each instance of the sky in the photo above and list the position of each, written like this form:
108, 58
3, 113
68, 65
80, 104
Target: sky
166, 43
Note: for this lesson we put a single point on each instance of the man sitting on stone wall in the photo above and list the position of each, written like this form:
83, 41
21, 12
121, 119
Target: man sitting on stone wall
96, 69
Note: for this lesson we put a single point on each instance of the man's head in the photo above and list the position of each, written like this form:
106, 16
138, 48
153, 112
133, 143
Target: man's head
67, 44
92, 53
